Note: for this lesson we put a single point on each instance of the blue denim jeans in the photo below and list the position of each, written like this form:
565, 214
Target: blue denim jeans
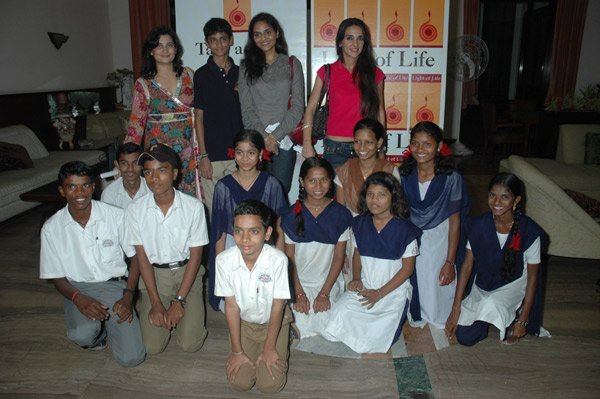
125, 338
337, 153
282, 167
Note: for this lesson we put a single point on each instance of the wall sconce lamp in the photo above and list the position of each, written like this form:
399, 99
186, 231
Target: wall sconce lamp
58, 39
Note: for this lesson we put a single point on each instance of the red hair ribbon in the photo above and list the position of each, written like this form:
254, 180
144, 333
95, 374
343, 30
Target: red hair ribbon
298, 207
266, 155
406, 154
230, 153
515, 242
445, 151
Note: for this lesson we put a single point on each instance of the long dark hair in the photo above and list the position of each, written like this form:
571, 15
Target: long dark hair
364, 71
254, 58
399, 208
307, 165
152, 41
443, 164
515, 186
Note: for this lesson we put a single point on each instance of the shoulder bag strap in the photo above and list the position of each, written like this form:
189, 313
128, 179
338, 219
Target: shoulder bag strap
291, 60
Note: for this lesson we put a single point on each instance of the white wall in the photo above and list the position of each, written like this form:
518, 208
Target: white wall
31, 63
118, 15
589, 58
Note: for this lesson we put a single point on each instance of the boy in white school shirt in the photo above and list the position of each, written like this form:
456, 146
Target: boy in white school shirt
253, 279
82, 253
130, 185
168, 230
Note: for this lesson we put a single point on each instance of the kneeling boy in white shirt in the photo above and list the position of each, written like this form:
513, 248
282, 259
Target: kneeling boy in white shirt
253, 279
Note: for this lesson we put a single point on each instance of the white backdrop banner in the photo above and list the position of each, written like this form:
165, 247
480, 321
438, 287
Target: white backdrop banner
191, 15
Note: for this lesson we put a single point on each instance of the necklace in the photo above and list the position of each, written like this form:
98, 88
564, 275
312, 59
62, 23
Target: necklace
245, 183
503, 224
316, 208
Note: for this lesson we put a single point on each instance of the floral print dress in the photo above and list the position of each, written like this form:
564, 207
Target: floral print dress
158, 116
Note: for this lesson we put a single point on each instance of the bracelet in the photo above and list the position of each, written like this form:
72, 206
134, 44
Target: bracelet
523, 323
306, 126
300, 295
238, 353
323, 295
379, 292
202, 156
74, 295
126, 290
450, 263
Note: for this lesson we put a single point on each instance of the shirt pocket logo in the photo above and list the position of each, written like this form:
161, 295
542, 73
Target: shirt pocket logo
107, 243
264, 278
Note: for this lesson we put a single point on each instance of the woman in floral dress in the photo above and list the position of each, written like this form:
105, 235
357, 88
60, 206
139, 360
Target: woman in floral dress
162, 104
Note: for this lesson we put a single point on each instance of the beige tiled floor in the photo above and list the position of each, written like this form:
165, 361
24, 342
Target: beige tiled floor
37, 360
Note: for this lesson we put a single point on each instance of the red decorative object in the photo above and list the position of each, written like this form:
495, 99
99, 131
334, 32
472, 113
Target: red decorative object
266, 155
445, 150
406, 154
394, 31
230, 153
237, 17
427, 31
515, 242
424, 113
394, 116
328, 30
298, 207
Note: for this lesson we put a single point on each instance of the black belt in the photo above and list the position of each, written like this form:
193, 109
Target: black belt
120, 278
172, 265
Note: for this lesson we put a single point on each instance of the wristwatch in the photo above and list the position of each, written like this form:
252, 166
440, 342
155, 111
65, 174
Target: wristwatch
180, 299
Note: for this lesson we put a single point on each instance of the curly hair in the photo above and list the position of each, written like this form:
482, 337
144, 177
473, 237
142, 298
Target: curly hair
513, 184
254, 58
307, 165
443, 164
399, 207
364, 72
152, 41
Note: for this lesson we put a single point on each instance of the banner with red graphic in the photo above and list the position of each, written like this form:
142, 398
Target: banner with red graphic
410, 41
191, 15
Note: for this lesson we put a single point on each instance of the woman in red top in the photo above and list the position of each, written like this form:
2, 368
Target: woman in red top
355, 92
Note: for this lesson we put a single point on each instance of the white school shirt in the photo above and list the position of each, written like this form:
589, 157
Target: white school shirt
91, 254
115, 194
254, 290
166, 238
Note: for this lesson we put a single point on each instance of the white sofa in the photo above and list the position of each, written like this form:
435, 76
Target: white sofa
13, 183
572, 232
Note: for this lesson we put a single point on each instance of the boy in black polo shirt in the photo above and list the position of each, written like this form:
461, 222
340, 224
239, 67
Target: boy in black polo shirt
217, 107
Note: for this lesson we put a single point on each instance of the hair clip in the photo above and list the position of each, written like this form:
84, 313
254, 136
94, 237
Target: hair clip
266, 155
445, 151
406, 154
298, 207
230, 153
515, 242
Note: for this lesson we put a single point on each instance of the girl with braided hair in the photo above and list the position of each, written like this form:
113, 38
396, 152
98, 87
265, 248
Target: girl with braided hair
503, 253
316, 230
247, 182
439, 203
